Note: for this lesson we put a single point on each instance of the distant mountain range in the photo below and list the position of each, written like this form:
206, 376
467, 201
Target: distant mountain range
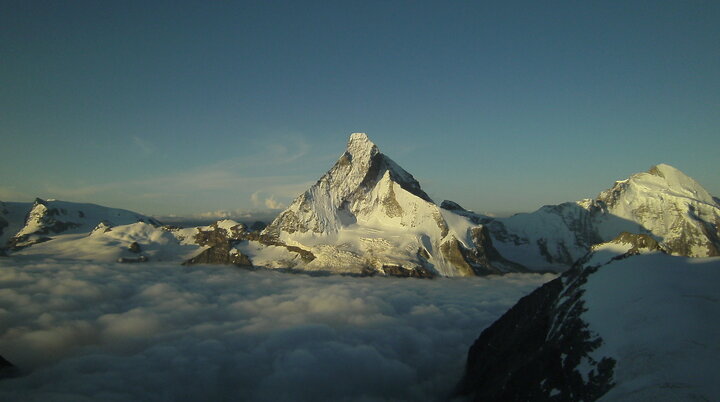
369, 216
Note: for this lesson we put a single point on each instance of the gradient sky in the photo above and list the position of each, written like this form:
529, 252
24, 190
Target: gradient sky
190, 107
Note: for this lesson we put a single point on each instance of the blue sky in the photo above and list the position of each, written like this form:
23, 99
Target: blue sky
192, 107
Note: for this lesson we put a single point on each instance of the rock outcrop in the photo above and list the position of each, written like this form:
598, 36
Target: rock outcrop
220, 239
532, 353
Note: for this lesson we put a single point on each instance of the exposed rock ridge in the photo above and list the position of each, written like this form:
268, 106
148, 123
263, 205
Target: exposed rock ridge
541, 349
486, 257
534, 351
219, 242
452, 206
40, 222
639, 242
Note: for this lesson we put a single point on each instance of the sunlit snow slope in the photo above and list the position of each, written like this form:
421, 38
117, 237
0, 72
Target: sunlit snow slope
629, 323
663, 202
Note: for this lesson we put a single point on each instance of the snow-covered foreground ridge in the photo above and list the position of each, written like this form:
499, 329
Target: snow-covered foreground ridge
369, 216
628, 323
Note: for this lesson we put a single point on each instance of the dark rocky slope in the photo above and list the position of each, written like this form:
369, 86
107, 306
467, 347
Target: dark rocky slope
534, 351
7, 369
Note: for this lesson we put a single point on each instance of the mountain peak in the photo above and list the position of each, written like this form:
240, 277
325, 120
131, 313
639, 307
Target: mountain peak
359, 138
659, 179
666, 172
343, 192
360, 147
674, 180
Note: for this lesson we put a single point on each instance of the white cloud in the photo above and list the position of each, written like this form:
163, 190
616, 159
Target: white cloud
268, 196
271, 203
240, 215
157, 332
255, 198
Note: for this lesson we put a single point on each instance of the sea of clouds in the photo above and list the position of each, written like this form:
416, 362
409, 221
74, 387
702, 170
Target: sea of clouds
82, 331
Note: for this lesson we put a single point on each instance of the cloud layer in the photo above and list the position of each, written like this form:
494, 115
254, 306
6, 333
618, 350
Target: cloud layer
156, 332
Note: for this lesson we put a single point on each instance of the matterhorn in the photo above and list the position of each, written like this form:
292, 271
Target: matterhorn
367, 215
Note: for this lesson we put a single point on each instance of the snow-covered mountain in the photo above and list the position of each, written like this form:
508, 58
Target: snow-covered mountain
24, 224
89, 232
663, 202
628, 322
368, 215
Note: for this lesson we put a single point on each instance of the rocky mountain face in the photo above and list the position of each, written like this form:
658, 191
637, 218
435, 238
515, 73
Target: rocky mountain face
669, 205
627, 322
368, 215
219, 239
664, 203
344, 193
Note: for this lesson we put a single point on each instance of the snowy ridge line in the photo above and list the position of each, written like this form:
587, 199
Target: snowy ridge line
367, 215
617, 326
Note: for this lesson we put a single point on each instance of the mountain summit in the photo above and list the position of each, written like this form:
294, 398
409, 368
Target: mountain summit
667, 204
663, 203
368, 215
341, 194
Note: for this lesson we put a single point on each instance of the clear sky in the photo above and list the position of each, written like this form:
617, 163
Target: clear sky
190, 107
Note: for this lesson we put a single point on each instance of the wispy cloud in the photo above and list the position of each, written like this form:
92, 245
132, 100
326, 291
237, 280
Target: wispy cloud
269, 202
226, 179
277, 151
13, 194
176, 184
145, 146
241, 215
245, 181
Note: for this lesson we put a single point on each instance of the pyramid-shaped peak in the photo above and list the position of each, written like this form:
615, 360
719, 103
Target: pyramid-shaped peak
359, 137
345, 191
360, 145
